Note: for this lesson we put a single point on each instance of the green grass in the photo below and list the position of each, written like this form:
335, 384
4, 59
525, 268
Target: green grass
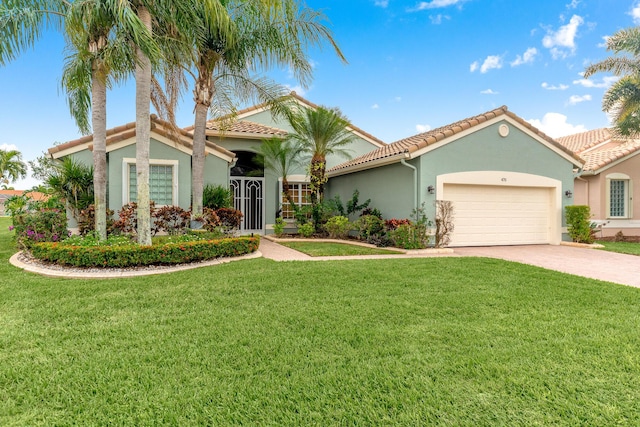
436, 341
335, 249
621, 247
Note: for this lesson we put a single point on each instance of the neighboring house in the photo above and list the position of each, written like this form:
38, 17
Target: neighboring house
229, 162
509, 182
7, 194
609, 182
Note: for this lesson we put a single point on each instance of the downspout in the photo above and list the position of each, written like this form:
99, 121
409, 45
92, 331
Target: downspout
415, 182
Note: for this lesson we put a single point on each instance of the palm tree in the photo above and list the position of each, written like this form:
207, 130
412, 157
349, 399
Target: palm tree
12, 167
281, 158
622, 99
320, 132
72, 182
241, 37
100, 54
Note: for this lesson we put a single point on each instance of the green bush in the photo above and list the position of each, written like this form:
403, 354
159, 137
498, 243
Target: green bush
43, 225
130, 255
579, 224
278, 227
369, 226
338, 227
216, 197
306, 229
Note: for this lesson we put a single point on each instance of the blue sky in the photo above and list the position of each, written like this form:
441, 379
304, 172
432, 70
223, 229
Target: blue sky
412, 66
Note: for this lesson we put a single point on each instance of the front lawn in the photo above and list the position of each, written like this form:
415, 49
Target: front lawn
335, 249
434, 341
621, 247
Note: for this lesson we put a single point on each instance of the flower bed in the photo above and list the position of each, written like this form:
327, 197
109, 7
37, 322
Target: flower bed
135, 255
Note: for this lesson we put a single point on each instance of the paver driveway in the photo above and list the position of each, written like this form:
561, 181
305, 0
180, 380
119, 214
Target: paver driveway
592, 263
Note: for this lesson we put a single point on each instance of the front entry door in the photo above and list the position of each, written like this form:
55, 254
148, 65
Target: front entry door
248, 198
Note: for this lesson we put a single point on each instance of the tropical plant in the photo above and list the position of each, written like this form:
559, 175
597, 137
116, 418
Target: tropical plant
338, 227
281, 158
12, 167
622, 99
72, 181
320, 132
217, 196
230, 41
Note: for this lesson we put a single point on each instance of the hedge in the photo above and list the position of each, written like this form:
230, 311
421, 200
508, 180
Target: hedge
134, 255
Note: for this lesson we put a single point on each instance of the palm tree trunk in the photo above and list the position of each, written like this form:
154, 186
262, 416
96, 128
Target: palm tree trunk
202, 97
143, 131
99, 125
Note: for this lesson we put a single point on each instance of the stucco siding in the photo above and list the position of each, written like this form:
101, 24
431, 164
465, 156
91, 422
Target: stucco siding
486, 150
157, 151
390, 189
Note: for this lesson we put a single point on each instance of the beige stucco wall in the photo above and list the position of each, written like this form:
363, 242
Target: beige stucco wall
592, 191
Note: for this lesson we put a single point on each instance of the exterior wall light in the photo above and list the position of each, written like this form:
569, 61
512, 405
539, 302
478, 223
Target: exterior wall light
568, 193
431, 189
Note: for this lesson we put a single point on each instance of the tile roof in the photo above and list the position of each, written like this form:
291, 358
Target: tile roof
245, 127
246, 112
126, 131
600, 147
404, 147
35, 195
580, 142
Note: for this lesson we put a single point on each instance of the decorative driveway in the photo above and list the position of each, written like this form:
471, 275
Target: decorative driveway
586, 262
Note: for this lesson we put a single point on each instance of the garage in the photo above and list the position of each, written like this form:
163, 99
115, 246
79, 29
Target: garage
486, 215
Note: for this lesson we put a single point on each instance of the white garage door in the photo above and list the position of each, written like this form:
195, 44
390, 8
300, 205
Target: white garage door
487, 215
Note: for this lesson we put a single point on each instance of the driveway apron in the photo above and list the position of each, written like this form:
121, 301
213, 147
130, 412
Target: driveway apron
585, 262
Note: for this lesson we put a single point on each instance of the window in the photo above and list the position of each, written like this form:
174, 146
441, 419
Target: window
162, 182
618, 196
300, 194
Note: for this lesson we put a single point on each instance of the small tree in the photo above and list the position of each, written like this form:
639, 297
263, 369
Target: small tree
444, 222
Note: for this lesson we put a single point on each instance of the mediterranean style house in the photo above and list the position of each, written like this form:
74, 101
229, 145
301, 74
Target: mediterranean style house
606, 182
508, 181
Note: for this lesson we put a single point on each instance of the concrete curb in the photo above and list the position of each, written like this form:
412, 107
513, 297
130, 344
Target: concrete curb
582, 245
427, 251
73, 273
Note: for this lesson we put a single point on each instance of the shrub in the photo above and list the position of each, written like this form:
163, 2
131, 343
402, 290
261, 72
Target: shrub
129, 255
278, 227
579, 224
306, 229
393, 223
369, 226
211, 221
171, 219
87, 220
338, 227
230, 219
216, 197
43, 225
412, 234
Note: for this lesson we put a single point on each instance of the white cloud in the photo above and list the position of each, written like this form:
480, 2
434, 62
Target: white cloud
299, 90
573, 4
375, 106
435, 4
555, 125
605, 83
558, 41
605, 40
576, 99
397, 98
547, 86
488, 92
382, 3
635, 12
8, 147
437, 19
490, 63
527, 57
423, 128
474, 66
